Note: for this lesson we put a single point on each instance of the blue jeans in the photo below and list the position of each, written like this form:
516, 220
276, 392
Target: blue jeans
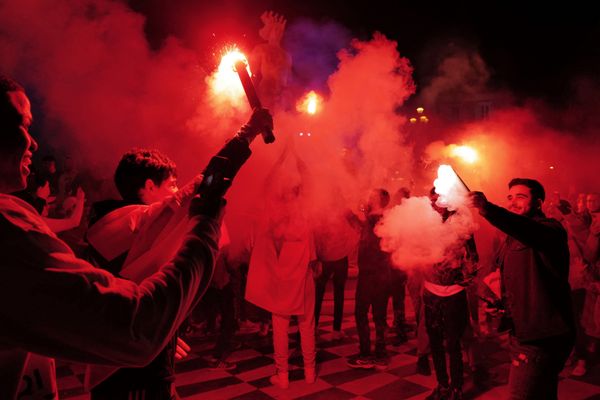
535, 367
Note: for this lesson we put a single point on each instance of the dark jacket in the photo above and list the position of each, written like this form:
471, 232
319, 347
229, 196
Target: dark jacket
534, 262
372, 261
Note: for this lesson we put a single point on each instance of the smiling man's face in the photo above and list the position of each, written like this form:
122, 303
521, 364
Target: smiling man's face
16, 145
520, 200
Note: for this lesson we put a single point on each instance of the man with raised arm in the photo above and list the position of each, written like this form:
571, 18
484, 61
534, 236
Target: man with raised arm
53, 304
534, 266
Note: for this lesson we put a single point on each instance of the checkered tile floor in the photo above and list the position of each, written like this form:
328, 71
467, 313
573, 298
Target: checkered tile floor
250, 380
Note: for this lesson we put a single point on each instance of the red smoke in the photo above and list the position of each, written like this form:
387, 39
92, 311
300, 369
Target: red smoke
102, 90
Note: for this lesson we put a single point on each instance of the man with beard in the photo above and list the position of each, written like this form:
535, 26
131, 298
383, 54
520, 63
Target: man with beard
534, 265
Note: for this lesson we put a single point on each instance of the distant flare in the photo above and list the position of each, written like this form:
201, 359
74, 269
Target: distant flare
466, 153
310, 103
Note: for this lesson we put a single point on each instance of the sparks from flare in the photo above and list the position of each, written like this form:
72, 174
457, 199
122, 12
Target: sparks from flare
310, 103
224, 82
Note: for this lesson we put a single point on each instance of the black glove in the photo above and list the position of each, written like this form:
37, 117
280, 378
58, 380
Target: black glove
222, 168
260, 121
208, 206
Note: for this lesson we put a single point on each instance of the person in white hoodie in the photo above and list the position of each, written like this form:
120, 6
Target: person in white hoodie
282, 269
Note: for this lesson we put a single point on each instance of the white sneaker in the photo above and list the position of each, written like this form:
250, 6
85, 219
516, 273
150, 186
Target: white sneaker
580, 368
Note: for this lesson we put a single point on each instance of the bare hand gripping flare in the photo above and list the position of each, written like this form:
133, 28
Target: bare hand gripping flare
240, 68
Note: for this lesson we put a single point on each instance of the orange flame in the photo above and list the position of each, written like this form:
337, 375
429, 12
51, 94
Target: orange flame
310, 103
225, 83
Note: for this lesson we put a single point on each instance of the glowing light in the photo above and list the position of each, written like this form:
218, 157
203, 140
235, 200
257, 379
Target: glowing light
466, 153
420, 110
446, 180
450, 187
552, 167
309, 103
225, 82
423, 118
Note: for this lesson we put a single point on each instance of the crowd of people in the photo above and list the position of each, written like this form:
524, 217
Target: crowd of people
153, 267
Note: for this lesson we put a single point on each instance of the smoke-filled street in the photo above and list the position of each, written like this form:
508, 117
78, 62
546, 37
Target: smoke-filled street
298, 200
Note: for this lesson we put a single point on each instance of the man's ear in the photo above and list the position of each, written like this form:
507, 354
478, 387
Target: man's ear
149, 185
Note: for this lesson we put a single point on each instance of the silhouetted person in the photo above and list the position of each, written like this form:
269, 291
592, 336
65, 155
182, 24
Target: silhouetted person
372, 288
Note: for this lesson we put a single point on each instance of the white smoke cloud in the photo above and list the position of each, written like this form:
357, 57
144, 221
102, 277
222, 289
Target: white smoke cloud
415, 235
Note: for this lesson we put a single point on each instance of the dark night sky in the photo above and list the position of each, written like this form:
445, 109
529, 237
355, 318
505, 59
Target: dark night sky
533, 49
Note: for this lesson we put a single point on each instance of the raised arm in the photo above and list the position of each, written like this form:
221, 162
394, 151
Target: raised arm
542, 235
60, 306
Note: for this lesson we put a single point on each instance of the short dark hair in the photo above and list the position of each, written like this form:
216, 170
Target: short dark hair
139, 165
6, 108
9, 85
536, 188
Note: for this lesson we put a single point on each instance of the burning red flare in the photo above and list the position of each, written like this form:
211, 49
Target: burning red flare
310, 103
450, 187
446, 180
225, 83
